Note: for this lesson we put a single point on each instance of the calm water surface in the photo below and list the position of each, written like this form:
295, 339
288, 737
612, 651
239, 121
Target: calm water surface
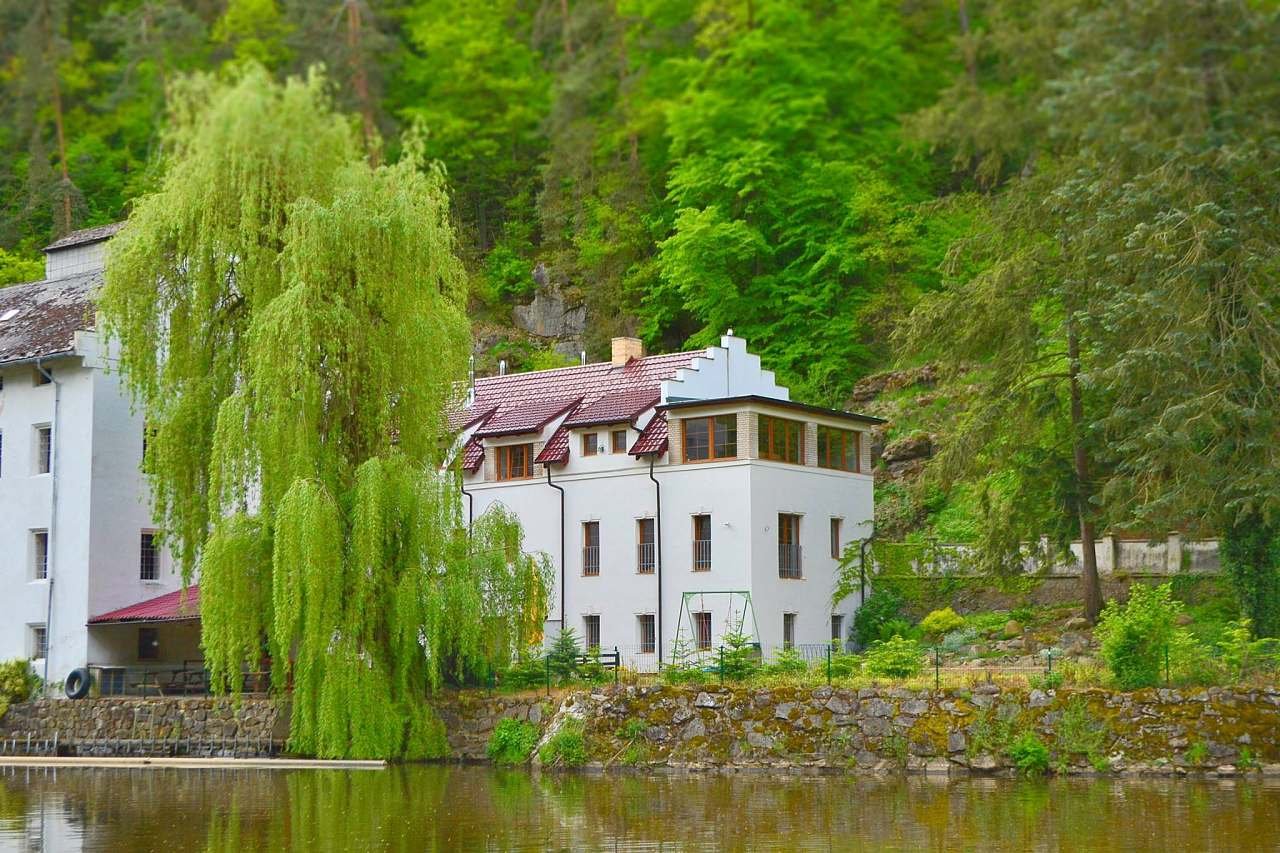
474, 808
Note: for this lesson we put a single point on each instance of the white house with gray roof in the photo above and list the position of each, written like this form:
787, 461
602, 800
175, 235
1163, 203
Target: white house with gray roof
75, 525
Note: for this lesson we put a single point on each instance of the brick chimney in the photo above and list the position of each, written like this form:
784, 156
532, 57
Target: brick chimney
625, 349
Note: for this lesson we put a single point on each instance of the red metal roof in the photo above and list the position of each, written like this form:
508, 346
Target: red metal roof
462, 418
653, 438
614, 408
170, 607
557, 449
525, 416
473, 455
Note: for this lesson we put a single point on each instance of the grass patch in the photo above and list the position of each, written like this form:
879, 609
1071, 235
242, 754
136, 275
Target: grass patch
512, 742
567, 747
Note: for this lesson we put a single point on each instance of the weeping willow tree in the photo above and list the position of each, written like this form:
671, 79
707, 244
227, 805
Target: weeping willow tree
292, 322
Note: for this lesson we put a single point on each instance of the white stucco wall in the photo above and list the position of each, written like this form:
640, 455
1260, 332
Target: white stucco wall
728, 370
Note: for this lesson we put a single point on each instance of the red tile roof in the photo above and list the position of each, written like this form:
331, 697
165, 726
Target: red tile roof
653, 438
522, 416
557, 449
473, 455
614, 408
170, 607
520, 399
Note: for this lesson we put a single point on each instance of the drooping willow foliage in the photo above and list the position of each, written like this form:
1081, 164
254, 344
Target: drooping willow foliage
292, 321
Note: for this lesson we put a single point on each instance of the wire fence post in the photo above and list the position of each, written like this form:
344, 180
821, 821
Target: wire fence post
722, 664
828, 664
937, 667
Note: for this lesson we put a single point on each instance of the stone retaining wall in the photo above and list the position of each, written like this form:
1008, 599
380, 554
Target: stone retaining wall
825, 729
97, 722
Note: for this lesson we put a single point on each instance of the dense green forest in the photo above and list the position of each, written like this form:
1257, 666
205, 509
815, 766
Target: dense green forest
1070, 209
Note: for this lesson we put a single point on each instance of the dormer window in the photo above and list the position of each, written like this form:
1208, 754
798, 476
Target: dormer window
590, 444
706, 439
515, 461
619, 441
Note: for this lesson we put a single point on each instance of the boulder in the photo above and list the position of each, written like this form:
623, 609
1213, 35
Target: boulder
1012, 628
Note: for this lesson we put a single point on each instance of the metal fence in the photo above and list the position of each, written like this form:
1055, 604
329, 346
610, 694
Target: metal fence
190, 678
646, 558
789, 565
702, 555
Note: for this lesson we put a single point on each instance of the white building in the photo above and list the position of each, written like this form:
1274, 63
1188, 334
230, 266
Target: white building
676, 495
75, 526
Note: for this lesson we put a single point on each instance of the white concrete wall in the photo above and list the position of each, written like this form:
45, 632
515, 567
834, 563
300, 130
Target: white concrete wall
742, 496
26, 504
728, 370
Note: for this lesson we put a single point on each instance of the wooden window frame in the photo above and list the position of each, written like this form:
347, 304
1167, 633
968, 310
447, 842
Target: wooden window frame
587, 528
641, 542
789, 537
590, 443
618, 441
777, 448
703, 565
503, 467
700, 616
837, 537
712, 454
643, 620
850, 440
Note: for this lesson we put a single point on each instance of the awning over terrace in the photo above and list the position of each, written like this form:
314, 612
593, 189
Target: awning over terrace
177, 606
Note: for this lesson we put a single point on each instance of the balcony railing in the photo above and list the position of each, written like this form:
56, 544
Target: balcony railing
702, 555
646, 558
789, 561
591, 559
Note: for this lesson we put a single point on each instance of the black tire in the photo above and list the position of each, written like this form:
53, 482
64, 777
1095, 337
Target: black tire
77, 684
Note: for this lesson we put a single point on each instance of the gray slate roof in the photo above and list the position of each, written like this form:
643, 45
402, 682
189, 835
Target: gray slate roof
45, 316
85, 235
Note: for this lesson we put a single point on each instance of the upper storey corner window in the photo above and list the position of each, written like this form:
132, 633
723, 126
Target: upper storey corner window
781, 440
715, 437
515, 461
838, 448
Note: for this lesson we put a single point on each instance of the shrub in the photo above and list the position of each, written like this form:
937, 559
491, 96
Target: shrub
528, 671
17, 680
941, 622
788, 662
1137, 636
1242, 655
1197, 754
1029, 754
844, 665
896, 657
1078, 733
512, 742
1246, 760
568, 746
1048, 681
880, 607
957, 641
989, 734
632, 729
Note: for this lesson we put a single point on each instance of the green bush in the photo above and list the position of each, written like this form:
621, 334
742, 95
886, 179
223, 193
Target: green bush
739, 659
528, 671
512, 742
844, 664
941, 622
18, 680
1078, 733
880, 607
1243, 656
1137, 636
567, 747
989, 734
1197, 754
632, 729
896, 657
1047, 681
788, 662
1029, 754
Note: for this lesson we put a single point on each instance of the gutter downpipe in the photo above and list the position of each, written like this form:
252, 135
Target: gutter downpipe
54, 442
657, 515
560, 489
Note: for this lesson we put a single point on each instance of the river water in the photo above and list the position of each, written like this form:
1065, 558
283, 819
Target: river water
433, 808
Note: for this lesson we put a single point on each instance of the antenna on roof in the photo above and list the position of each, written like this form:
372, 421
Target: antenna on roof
582, 356
502, 367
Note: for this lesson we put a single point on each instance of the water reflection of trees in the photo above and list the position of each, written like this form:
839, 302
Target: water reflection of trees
451, 808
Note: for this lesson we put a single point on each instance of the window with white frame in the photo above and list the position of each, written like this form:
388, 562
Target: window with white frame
148, 557
40, 555
648, 636
38, 642
44, 449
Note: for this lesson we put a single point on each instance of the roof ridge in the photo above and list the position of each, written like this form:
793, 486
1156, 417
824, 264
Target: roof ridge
689, 353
